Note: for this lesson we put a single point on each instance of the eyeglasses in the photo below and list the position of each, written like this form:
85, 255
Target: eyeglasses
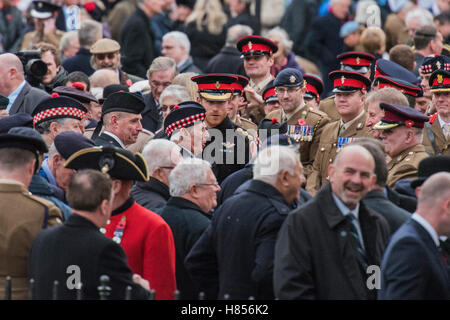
215, 185
165, 107
281, 91
102, 56
156, 84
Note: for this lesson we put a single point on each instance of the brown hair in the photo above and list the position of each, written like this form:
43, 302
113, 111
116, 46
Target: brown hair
403, 55
373, 40
44, 47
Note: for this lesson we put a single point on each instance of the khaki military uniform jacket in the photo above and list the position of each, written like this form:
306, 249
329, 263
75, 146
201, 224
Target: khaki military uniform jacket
328, 106
247, 125
330, 143
143, 137
32, 38
308, 147
405, 165
256, 114
22, 217
442, 144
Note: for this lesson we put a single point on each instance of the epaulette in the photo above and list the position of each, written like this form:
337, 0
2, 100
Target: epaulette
245, 133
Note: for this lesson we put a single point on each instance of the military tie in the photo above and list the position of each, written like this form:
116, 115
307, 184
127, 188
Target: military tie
356, 240
447, 131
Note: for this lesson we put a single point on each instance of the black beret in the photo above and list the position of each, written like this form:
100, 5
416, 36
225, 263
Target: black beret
279, 139
124, 102
289, 77
58, 107
23, 138
184, 115
76, 93
4, 101
69, 142
117, 162
430, 166
20, 119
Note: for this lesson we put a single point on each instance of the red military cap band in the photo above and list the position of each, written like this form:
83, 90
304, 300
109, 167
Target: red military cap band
395, 117
402, 89
352, 61
255, 47
269, 93
312, 89
348, 82
216, 86
439, 81
62, 111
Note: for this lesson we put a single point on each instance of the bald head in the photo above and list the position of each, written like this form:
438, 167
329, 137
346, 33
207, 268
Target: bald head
104, 77
11, 73
352, 174
434, 202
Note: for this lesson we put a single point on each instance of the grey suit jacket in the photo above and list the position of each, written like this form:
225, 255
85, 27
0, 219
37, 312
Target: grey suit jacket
28, 98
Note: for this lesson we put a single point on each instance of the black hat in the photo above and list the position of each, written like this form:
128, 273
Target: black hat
395, 115
69, 142
272, 127
76, 92
4, 101
256, 45
23, 138
186, 3
117, 162
124, 102
430, 166
401, 85
279, 139
356, 61
184, 115
439, 81
216, 87
43, 9
347, 81
269, 94
431, 64
20, 119
289, 77
314, 86
112, 88
58, 107
391, 69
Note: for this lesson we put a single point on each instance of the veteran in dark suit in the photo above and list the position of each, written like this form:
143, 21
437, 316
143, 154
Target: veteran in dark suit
79, 244
413, 267
324, 247
23, 215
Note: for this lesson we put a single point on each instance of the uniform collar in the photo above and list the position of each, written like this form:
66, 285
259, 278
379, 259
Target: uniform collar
344, 126
116, 138
124, 207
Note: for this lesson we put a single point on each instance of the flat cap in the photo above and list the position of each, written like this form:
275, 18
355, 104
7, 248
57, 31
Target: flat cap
314, 86
347, 81
184, 115
216, 87
69, 142
289, 77
105, 45
20, 119
395, 115
117, 162
256, 45
430, 166
58, 108
23, 138
124, 102
401, 85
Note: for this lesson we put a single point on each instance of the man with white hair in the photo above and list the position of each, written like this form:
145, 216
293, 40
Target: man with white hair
161, 156
193, 190
234, 257
177, 46
417, 18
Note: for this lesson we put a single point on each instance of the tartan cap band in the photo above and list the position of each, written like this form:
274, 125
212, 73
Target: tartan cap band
61, 112
186, 122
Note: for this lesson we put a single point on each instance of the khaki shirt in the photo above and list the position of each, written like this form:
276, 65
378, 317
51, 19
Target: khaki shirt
256, 114
32, 38
406, 164
246, 124
442, 144
330, 143
308, 145
22, 217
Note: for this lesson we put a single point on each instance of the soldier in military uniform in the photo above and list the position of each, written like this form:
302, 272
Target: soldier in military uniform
228, 150
350, 89
44, 14
258, 59
436, 138
353, 61
302, 123
401, 133
270, 98
314, 88
410, 90
23, 215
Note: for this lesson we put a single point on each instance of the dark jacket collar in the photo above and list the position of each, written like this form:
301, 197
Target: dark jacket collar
75, 220
84, 52
225, 124
125, 206
332, 213
157, 186
375, 194
183, 203
265, 189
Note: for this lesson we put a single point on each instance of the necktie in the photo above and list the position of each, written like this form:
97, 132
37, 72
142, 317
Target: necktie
447, 130
356, 240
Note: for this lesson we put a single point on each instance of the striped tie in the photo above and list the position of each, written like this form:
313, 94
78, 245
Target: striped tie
357, 243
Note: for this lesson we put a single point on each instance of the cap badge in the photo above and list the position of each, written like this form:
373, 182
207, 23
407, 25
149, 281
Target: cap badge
409, 123
217, 84
250, 44
40, 5
358, 60
342, 79
292, 79
440, 78
438, 64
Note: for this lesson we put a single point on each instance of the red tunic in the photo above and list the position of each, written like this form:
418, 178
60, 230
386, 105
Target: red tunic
148, 243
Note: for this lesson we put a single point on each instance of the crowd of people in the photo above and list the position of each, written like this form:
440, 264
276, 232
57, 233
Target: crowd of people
225, 149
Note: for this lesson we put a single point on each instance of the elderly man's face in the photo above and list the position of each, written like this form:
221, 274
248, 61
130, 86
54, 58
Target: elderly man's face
199, 137
341, 8
110, 60
441, 100
352, 177
159, 80
171, 49
62, 174
208, 192
394, 140
374, 115
128, 128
